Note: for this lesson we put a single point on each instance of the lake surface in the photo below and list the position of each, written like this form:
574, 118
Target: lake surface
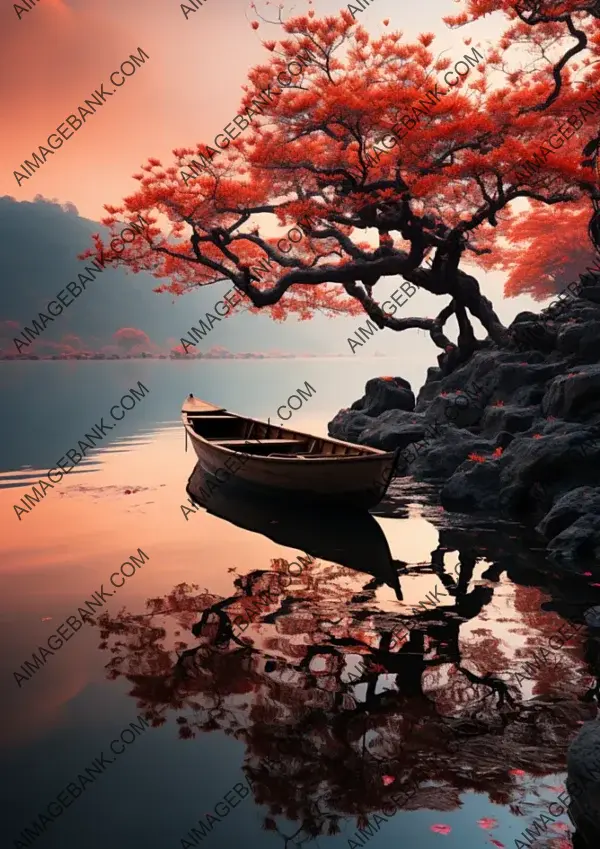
336, 708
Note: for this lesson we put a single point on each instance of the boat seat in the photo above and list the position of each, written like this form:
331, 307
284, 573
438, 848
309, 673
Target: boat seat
283, 443
209, 416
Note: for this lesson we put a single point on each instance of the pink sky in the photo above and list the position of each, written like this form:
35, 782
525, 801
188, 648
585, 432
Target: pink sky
60, 51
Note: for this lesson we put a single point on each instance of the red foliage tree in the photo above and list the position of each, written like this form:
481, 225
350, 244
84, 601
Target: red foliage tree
319, 150
130, 338
563, 37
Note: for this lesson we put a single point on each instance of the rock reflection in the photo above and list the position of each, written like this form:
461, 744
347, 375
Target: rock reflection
327, 697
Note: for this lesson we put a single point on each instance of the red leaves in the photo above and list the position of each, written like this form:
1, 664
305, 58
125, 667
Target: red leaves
476, 458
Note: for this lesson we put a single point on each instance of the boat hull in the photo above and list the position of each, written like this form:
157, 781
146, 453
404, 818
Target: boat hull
304, 486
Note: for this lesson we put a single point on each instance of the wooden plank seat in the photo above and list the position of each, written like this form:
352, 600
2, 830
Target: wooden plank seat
209, 416
281, 443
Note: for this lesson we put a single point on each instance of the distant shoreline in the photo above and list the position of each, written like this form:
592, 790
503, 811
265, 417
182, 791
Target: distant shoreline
16, 358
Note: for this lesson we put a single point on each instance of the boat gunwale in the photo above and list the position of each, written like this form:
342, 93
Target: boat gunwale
369, 453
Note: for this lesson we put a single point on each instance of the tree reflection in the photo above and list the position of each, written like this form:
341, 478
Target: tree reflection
330, 693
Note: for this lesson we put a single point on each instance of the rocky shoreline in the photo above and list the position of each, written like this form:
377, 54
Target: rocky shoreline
513, 432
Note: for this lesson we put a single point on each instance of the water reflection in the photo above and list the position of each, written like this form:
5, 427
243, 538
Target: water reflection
351, 538
342, 708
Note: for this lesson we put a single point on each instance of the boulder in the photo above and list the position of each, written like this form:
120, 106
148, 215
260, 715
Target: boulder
592, 617
348, 425
591, 293
578, 545
472, 487
583, 781
383, 394
568, 508
574, 396
537, 335
539, 467
508, 417
445, 454
393, 429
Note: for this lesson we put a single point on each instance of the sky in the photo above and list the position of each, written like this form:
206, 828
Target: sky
60, 51
55, 55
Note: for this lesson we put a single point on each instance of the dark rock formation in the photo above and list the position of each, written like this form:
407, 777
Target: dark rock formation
513, 430
385, 393
583, 781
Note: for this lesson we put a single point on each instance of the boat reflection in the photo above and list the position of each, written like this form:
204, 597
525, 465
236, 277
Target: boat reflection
349, 537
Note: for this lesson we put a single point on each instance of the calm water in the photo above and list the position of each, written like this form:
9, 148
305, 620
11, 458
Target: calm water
316, 694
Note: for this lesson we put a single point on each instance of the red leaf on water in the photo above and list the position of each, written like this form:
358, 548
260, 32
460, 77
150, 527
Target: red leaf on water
487, 822
496, 843
588, 574
388, 779
516, 772
559, 826
441, 829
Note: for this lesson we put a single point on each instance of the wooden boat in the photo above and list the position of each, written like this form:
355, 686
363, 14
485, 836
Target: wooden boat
271, 459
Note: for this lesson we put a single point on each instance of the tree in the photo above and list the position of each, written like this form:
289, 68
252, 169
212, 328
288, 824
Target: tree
370, 137
563, 36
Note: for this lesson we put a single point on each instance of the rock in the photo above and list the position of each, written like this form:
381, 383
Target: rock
569, 508
509, 417
431, 387
577, 545
592, 617
533, 414
393, 429
443, 456
536, 471
526, 315
472, 487
583, 781
537, 334
574, 396
591, 293
348, 425
385, 393
581, 339
456, 408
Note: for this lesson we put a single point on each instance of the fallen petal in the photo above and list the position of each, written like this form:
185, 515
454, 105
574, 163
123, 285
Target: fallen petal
388, 779
439, 828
